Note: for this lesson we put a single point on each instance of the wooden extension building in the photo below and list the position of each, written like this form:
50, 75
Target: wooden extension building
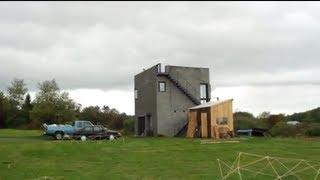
211, 120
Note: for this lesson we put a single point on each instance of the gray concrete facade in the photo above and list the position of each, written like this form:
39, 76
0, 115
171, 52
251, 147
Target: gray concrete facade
165, 113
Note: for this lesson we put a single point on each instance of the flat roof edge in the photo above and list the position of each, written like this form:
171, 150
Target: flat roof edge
209, 104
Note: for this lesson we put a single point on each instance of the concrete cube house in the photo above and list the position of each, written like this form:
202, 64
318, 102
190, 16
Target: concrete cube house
163, 95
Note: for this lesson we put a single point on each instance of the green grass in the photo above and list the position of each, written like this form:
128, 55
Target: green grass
27, 155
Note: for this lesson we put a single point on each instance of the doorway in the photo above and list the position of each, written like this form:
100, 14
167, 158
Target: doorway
141, 125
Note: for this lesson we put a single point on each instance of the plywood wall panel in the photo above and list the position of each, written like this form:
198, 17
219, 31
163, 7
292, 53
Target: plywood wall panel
204, 125
192, 123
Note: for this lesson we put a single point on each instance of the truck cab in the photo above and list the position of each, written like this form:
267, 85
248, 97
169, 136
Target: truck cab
81, 124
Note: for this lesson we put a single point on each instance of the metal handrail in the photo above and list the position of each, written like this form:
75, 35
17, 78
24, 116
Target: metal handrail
185, 83
182, 81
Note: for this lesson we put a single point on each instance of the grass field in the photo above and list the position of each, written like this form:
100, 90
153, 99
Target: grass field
27, 155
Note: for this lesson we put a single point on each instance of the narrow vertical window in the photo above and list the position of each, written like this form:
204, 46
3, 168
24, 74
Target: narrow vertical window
161, 68
203, 93
162, 86
135, 94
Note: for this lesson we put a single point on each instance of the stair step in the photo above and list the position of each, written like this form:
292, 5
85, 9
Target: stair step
184, 90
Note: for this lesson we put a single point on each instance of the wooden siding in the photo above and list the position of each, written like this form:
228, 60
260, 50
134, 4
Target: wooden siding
204, 125
192, 123
207, 118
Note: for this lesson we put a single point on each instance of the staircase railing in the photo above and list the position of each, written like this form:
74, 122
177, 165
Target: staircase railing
184, 83
182, 127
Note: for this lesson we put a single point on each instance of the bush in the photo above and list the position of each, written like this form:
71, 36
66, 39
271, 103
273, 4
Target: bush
313, 130
283, 129
244, 120
273, 119
128, 126
244, 124
149, 133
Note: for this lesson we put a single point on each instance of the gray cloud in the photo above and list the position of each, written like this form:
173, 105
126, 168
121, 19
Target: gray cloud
103, 44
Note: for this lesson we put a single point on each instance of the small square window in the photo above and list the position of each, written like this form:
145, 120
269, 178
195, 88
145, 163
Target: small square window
162, 86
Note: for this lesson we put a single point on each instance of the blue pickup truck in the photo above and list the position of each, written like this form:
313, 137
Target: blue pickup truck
79, 129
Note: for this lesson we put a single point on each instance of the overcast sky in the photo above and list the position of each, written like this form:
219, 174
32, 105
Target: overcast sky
265, 55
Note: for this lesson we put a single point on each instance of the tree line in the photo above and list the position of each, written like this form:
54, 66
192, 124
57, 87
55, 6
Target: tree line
52, 105
309, 123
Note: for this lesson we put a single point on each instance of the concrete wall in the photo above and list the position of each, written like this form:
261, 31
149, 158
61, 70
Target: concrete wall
146, 84
172, 109
172, 105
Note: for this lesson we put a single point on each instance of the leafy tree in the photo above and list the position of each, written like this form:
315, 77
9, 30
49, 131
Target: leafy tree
3, 110
117, 120
128, 125
26, 109
272, 120
93, 114
51, 105
105, 109
106, 116
77, 110
296, 117
16, 93
312, 116
27, 102
313, 130
264, 115
283, 129
244, 120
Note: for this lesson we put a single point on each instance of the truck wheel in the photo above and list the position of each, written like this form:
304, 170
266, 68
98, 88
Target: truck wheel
58, 135
111, 137
83, 138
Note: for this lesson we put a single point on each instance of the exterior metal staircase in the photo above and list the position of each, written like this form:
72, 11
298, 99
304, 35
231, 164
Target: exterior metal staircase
186, 88
183, 131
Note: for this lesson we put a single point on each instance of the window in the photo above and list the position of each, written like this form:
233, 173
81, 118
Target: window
79, 125
135, 94
222, 121
203, 93
86, 124
161, 68
97, 128
162, 86
88, 129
